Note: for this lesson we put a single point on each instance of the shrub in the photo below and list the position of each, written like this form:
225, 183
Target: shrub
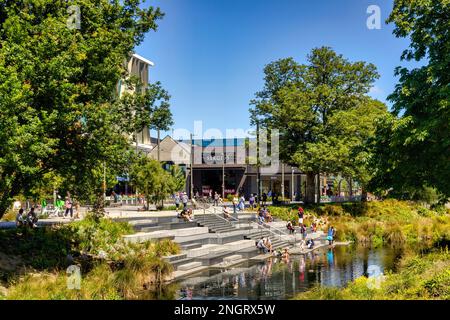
420, 277
10, 216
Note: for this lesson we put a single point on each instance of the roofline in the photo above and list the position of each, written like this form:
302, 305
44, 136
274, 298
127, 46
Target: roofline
135, 55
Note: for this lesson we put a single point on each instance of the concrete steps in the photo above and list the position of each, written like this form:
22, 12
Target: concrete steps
191, 246
175, 257
214, 223
203, 250
150, 236
232, 258
179, 262
189, 266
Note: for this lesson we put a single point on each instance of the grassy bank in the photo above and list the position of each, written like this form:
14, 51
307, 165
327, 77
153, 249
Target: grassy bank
424, 276
423, 273
378, 223
33, 262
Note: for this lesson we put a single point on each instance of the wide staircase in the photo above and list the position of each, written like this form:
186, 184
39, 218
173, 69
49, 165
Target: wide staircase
214, 223
277, 241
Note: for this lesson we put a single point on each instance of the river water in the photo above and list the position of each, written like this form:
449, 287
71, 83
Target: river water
277, 279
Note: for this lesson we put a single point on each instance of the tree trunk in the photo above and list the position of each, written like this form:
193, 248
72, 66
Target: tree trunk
5, 202
319, 191
350, 187
363, 194
310, 188
98, 209
7, 197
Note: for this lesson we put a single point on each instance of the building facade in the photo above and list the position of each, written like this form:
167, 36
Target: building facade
221, 165
139, 67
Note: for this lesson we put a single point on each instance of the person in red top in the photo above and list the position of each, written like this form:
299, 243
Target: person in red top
300, 216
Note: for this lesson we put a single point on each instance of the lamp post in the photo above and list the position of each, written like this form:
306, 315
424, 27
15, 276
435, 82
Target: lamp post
258, 173
282, 180
223, 178
192, 170
292, 184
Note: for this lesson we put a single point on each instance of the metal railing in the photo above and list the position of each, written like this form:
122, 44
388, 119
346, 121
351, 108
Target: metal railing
264, 226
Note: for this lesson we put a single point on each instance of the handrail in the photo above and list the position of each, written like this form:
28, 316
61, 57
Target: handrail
269, 227
218, 215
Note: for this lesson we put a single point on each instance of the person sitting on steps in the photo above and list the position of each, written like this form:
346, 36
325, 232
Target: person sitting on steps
32, 218
268, 244
261, 246
290, 227
19, 219
226, 213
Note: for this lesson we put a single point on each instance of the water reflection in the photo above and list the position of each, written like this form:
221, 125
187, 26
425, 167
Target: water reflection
283, 278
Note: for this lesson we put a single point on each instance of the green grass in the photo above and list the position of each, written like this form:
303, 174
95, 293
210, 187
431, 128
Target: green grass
421, 277
111, 268
377, 223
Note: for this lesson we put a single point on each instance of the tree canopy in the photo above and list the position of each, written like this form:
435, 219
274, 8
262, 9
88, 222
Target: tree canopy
58, 91
322, 112
152, 180
413, 145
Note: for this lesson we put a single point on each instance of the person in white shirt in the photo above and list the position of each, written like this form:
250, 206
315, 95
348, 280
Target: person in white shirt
261, 245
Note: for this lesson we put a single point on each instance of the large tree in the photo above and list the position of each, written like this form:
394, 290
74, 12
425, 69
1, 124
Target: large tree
413, 145
152, 180
307, 104
57, 91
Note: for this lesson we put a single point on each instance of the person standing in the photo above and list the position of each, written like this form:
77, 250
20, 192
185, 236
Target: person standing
252, 201
235, 202
300, 214
177, 201
303, 232
264, 198
331, 235
242, 203
185, 200
216, 199
69, 206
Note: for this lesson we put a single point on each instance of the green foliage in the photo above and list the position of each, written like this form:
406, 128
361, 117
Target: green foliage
179, 178
94, 236
10, 215
151, 179
421, 277
376, 223
120, 270
412, 146
148, 106
40, 248
58, 101
322, 112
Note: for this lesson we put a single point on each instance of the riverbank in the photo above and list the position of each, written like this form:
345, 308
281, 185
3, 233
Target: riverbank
420, 276
388, 222
423, 273
34, 262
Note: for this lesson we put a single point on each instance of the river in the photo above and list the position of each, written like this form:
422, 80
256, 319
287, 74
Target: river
277, 279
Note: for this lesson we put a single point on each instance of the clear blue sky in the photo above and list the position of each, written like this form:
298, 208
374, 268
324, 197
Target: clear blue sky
210, 54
